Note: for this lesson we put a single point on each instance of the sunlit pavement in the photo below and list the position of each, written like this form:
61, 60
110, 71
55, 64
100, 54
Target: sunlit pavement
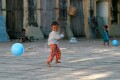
86, 60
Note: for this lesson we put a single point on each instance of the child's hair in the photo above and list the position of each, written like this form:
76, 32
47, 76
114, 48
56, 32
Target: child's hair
106, 27
55, 23
23, 30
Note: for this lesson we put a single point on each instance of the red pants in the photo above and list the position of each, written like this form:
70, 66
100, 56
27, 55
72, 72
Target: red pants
55, 51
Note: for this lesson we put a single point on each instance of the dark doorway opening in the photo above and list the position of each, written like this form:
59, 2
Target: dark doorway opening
63, 15
114, 11
14, 17
77, 22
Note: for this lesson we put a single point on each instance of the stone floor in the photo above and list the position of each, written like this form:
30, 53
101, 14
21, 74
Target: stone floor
86, 60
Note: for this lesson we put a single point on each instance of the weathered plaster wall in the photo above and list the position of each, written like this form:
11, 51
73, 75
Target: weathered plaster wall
108, 12
102, 10
115, 28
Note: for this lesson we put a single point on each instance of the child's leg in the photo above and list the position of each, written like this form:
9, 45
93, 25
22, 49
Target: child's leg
20, 40
103, 43
108, 43
58, 55
52, 54
27, 39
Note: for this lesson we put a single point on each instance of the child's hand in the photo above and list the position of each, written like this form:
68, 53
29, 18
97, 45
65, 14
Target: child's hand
62, 35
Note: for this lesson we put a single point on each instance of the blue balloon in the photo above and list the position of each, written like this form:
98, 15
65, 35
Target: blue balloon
115, 42
17, 49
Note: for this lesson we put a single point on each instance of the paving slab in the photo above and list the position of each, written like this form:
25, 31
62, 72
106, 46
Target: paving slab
86, 60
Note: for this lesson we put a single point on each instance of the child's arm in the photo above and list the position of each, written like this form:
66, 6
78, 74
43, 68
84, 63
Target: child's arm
57, 36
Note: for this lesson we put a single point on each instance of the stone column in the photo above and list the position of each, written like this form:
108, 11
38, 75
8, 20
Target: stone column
95, 2
119, 11
38, 13
68, 29
4, 8
87, 29
57, 9
0, 7
109, 13
25, 12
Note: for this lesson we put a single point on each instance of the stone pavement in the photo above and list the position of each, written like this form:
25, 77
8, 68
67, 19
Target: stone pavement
86, 60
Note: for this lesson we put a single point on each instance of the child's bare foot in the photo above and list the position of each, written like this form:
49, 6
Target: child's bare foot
57, 62
48, 63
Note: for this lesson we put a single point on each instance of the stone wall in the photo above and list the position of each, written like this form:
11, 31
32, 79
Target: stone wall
114, 30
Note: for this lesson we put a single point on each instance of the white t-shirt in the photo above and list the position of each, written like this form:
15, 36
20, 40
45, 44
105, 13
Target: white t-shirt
54, 37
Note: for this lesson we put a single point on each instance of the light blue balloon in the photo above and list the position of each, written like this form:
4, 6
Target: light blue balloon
115, 42
17, 49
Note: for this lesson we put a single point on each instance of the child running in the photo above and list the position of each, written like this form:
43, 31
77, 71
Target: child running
53, 39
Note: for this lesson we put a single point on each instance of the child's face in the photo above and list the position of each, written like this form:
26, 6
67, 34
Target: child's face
105, 28
23, 31
55, 28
